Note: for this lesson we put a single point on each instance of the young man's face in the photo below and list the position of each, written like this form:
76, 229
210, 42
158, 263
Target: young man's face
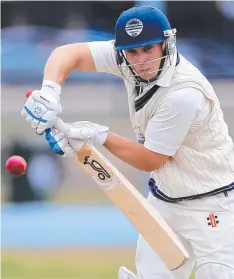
141, 60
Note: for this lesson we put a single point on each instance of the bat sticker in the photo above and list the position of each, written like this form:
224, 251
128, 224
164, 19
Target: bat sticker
102, 173
105, 179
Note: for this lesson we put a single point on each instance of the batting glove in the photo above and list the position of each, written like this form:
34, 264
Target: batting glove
90, 133
60, 144
43, 106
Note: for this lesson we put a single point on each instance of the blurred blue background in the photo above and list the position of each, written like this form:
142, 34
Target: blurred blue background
31, 30
55, 203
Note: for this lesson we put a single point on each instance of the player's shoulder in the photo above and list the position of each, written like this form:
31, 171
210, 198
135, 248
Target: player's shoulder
185, 100
185, 95
188, 75
105, 57
188, 69
103, 49
183, 86
105, 45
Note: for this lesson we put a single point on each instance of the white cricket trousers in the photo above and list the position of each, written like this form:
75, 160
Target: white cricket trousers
205, 227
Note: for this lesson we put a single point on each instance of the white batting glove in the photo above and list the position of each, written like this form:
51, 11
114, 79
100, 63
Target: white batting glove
43, 106
90, 133
60, 144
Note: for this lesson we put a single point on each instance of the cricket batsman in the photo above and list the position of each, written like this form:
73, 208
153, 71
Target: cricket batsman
182, 138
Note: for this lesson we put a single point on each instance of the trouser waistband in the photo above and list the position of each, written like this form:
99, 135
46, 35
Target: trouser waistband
160, 195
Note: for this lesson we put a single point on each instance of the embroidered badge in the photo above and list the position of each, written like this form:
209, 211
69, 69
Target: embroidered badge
134, 27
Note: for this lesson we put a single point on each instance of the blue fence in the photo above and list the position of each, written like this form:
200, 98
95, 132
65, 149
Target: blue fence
50, 225
25, 50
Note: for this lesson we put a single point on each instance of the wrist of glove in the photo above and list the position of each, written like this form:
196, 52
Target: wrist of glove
43, 106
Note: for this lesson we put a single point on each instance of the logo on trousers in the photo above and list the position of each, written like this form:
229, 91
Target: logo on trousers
212, 220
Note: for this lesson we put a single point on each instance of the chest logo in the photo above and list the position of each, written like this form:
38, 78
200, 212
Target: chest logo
139, 135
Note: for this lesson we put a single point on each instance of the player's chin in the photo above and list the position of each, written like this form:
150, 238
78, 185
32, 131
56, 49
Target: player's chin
147, 76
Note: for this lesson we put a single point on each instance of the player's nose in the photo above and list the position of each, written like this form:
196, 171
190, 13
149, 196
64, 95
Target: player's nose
142, 58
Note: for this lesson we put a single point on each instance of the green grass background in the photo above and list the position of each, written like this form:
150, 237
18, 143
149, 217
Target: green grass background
66, 264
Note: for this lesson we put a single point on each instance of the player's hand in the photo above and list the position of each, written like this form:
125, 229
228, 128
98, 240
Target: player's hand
59, 143
43, 106
90, 133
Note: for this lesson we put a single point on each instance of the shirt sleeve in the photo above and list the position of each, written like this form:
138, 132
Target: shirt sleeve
104, 57
168, 128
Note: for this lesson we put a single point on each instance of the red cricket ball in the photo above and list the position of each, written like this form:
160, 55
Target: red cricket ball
16, 165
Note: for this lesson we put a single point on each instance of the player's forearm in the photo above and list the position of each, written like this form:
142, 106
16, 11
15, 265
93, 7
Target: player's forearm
133, 153
65, 59
59, 65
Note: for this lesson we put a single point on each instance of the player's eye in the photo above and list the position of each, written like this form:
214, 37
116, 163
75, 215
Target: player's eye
147, 48
131, 51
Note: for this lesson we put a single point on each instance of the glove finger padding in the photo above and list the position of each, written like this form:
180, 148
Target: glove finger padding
29, 118
43, 124
29, 103
59, 143
63, 148
34, 123
54, 138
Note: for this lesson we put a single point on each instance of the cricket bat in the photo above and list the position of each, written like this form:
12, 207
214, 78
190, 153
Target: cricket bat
132, 203
143, 216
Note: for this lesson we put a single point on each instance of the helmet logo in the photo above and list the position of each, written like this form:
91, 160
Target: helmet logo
134, 27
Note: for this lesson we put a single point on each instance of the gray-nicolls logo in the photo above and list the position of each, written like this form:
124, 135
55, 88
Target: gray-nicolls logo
44, 99
213, 220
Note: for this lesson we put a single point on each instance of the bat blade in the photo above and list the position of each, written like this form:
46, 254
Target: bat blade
135, 207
